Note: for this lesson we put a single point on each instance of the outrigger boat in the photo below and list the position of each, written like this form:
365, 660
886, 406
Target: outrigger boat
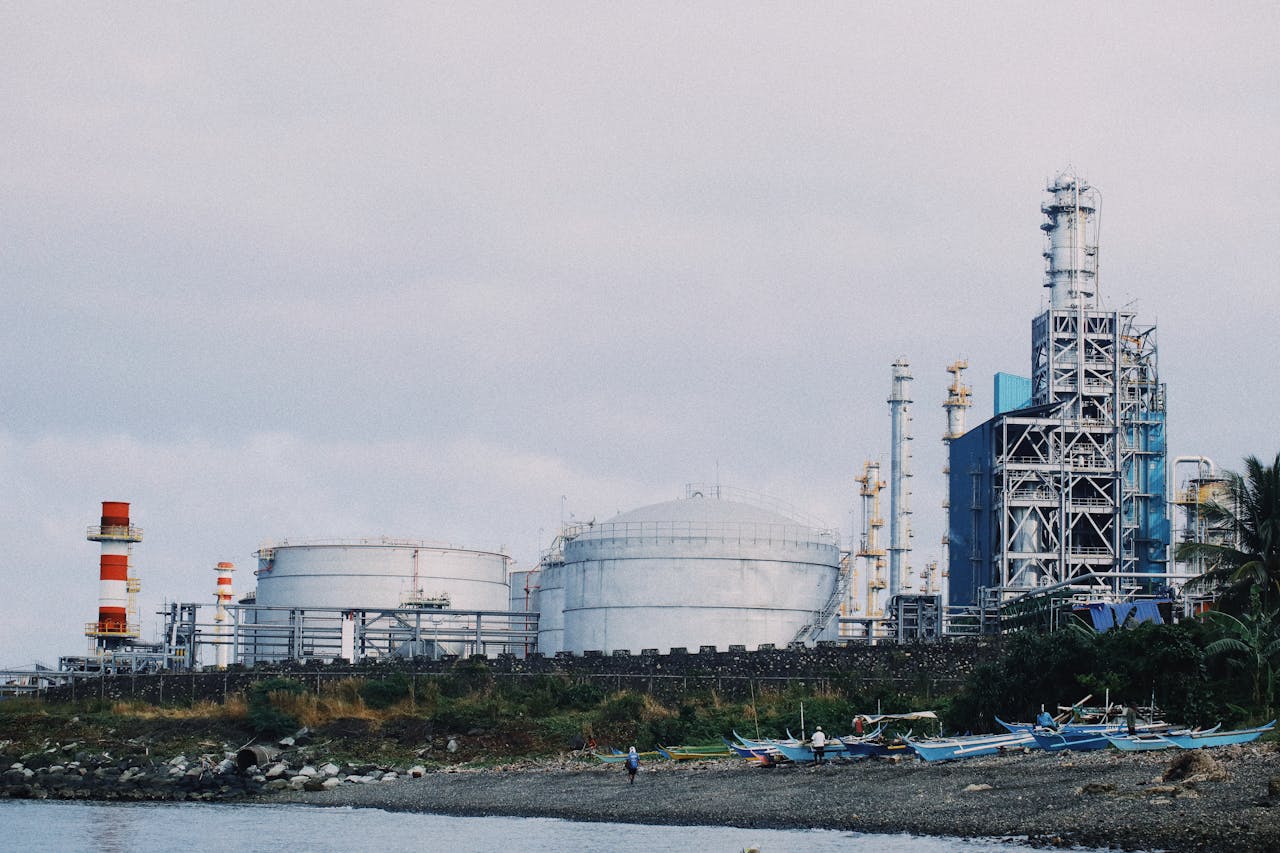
1084, 738
880, 747
803, 753
1140, 742
687, 753
615, 756
1183, 738
752, 753
766, 741
1212, 737
968, 746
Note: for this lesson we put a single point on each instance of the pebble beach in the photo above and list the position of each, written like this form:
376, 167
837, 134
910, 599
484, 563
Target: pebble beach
1224, 799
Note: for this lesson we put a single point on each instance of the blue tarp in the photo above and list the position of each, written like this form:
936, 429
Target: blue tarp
1105, 616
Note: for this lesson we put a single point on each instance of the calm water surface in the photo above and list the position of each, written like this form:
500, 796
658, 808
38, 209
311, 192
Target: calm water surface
160, 828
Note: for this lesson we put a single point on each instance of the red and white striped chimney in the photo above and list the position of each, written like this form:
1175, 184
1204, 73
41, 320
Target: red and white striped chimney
117, 536
224, 597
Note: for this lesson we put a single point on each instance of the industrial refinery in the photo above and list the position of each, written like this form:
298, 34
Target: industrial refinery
1060, 500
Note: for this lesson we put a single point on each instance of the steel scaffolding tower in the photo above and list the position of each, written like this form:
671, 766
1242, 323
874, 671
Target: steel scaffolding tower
1079, 475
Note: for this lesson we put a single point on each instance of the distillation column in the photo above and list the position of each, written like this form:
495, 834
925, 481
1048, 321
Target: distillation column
899, 472
869, 549
223, 595
959, 398
116, 588
1071, 253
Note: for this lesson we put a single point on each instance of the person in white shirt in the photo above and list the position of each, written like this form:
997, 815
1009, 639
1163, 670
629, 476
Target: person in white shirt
819, 744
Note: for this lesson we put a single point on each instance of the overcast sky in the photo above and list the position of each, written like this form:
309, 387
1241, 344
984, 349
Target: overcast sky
420, 270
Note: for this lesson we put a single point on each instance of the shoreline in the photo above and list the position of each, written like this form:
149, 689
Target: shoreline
1099, 799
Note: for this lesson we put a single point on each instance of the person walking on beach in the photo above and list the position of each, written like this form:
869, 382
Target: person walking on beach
1131, 719
819, 744
633, 765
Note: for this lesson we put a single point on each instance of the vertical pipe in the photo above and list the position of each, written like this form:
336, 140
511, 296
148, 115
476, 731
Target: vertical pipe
899, 471
959, 398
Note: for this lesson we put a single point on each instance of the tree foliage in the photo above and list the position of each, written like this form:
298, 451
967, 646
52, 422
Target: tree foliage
1251, 509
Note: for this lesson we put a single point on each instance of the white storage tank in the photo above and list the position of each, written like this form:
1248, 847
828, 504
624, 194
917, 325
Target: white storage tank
367, 574
703, 571
551, 608
384, 573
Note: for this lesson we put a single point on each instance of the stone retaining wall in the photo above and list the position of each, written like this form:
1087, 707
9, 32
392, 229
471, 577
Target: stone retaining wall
934, 668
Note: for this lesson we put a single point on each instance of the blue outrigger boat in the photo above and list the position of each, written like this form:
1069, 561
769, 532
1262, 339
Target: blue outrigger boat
1078, 741
803, 753
878, 747
1189, 739
1078, 727
1088, 737
1196, 740
968, 746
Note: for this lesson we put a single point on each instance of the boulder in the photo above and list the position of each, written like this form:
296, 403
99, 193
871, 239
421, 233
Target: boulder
1194, 765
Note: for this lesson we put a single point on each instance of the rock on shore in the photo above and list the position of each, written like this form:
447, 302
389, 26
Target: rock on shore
70, 771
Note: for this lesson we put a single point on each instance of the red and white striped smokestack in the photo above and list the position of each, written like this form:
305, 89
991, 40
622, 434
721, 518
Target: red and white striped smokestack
223, 596
224, 571
117, 536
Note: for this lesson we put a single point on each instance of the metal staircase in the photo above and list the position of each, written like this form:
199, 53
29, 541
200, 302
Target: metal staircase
815, 626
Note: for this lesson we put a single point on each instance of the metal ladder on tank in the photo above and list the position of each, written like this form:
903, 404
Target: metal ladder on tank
815, 626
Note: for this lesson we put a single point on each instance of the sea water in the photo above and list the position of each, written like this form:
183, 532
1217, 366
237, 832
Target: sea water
39, 825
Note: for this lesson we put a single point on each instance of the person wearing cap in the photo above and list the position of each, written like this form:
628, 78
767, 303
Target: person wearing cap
819, 744
633, 764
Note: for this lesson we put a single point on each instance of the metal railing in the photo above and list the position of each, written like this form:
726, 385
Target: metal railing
726, 531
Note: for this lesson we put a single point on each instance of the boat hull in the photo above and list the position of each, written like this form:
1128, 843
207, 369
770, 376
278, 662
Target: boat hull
803, 753
949, 749
1199, 740
1140, 743
1073, 741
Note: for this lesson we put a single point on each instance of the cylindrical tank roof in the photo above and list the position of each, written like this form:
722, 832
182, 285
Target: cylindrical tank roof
380, 542
697, 516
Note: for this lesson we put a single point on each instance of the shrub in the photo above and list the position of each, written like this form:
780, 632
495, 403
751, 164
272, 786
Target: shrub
382, 693
264, 716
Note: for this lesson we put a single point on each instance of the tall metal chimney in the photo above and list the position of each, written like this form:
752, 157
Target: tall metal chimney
899, 471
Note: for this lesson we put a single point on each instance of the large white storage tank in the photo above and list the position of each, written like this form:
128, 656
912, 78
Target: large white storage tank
380, 573
702, 571
366, 574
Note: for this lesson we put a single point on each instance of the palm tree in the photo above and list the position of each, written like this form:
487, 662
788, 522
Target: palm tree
1251, 509
1251, 643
